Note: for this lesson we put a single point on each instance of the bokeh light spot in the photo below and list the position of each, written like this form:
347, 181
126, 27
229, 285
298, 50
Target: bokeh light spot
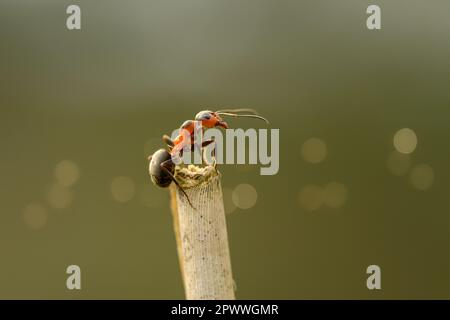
122, 189
311, 197
314, 150
67, 173
398, 163
422, 176
335, 194
405, 140
35, 216
244, 196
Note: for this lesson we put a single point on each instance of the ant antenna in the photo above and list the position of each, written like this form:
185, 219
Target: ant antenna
247, 110
242, 115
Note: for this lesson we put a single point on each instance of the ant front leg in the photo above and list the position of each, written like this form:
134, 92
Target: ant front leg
213, 154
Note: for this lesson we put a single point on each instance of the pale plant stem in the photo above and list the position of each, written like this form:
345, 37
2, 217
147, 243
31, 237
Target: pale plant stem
201, 235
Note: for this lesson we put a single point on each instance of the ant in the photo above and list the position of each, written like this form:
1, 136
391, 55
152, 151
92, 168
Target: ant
162, 167
208, 119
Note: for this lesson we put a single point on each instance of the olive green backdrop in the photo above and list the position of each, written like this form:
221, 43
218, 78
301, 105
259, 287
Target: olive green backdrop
102, 97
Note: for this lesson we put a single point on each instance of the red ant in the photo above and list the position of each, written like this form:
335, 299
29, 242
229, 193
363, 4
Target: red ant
162, 167
208, 119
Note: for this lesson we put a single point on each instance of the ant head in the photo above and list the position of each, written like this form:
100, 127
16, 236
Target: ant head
210, 119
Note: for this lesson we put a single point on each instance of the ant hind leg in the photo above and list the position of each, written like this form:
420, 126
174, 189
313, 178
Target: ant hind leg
168, 141
163, 166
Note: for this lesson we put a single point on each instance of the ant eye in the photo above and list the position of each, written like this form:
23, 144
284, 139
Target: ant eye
203, 116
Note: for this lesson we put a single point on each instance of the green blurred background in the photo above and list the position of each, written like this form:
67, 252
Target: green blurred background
81, 110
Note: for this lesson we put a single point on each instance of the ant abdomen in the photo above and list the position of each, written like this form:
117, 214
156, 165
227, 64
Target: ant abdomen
161, 176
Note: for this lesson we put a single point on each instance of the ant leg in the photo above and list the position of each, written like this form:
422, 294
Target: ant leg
163, 166
214, 159
196, 147
177, 151
167, 140
205, 144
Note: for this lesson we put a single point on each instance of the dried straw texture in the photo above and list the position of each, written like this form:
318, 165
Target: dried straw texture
201, 234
